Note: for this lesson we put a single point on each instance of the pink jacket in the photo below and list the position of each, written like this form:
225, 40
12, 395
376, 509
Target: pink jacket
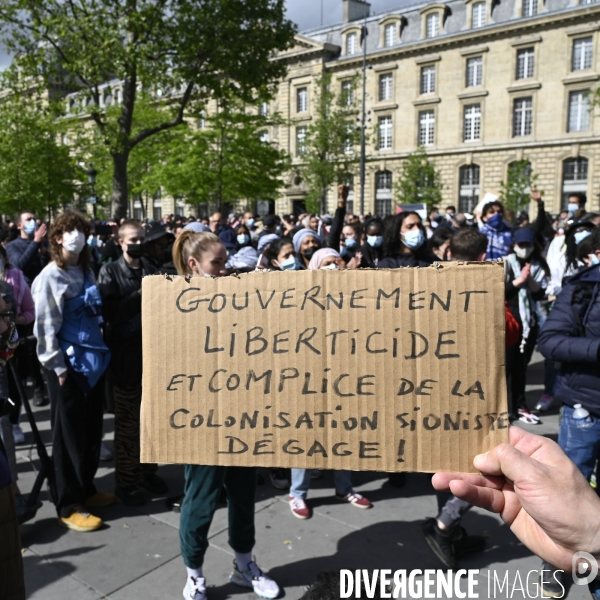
22, 293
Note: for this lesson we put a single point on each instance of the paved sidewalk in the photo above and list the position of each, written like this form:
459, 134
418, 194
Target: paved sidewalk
136, 555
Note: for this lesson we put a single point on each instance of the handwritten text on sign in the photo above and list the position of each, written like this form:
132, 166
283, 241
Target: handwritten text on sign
369, 370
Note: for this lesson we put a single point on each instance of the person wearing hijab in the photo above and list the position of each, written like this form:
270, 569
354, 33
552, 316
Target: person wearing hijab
306, 243
323, 259
246, 256
263, 246
326, 258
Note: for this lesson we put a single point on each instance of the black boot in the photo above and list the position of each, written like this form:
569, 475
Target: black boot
440, 542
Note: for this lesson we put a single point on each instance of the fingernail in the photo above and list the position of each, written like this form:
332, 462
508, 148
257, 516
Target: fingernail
480, 458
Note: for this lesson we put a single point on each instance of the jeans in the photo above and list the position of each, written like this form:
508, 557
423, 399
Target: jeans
580, 441
301, 482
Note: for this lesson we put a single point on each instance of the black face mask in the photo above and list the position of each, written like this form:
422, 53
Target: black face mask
135, 250
308, 253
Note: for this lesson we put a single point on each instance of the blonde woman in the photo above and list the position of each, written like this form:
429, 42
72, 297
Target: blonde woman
204, 255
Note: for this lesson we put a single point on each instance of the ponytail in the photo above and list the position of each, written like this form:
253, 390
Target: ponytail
191, 244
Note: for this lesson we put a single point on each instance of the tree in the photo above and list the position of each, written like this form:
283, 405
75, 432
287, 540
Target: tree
419, 182
36, 172
514, 193
329, 150
224, 158
182, 50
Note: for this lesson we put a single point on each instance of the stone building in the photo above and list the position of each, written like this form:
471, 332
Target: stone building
480, 83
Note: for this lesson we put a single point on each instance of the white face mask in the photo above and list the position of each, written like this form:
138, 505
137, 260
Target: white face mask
523, 253
330, 267
73, 241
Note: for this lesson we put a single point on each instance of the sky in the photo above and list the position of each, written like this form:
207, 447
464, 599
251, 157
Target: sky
307, 14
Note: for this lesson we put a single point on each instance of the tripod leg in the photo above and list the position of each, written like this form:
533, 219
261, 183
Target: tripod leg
46, 470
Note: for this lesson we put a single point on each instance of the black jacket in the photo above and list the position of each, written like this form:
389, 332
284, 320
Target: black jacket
571, 336
24, 254
120, 287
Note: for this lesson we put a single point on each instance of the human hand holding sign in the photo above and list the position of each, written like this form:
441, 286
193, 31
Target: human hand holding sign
538, 492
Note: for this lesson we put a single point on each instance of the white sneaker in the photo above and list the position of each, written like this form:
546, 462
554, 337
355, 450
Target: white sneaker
18, 434
105, 453
254, 578
195, 588
544, 403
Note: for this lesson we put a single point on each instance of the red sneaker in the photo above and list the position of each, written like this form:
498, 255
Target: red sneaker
299, 508
354, 499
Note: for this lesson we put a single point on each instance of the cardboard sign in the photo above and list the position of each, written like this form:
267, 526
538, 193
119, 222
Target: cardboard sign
399, 370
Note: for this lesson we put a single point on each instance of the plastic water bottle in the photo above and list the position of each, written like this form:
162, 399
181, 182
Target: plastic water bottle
580, 415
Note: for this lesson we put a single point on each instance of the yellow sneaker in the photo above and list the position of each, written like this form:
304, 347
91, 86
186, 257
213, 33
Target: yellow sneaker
79, 520
100, 499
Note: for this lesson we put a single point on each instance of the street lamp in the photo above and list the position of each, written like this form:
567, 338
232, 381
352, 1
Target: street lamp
91, 173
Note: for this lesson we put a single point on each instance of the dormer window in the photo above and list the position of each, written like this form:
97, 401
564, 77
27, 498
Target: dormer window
479, 9
352, 43
390, 35
432, 27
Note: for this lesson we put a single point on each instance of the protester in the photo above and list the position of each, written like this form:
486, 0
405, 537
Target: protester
280, 255
526, 276
222, 230
306, 243
26, 252
120, 285
157, 242
404, 243
496, 230
67, 305
372, 251
246, 256
199, 255
326, 258
439, 242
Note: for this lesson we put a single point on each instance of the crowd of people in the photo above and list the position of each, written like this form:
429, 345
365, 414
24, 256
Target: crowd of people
70, 319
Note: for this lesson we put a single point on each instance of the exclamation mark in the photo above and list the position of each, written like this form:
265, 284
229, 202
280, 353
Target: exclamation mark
401, 450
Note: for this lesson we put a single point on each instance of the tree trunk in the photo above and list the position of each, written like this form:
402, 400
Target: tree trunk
120, 191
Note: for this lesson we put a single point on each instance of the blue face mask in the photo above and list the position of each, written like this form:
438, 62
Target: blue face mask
290, 264
573, 208
495, 221
413, 239
375, 240
92, 241
581, 235
243, 239
594, 259
350, 242
30, 227
250, 222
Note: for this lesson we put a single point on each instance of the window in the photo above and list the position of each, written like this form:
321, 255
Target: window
138, 213
582, 54
575, 175
479, 14
385, 87
385, 133
522, 116
157, 211
389, 35
428, 80
352, 43
201, 122
118, 96
383, 193
426, 127
347, 93
300, 141
474, 71
579, 111
263, 109
302, 100
348, 146
525, 64
530, 8
432, 28
469, 188
472, 123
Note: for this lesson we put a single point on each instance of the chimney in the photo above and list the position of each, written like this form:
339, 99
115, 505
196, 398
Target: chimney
355, 10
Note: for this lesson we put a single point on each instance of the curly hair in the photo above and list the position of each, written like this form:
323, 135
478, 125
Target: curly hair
66, 222
391, 234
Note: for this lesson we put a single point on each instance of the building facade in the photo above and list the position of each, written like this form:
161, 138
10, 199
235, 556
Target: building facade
479, 83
